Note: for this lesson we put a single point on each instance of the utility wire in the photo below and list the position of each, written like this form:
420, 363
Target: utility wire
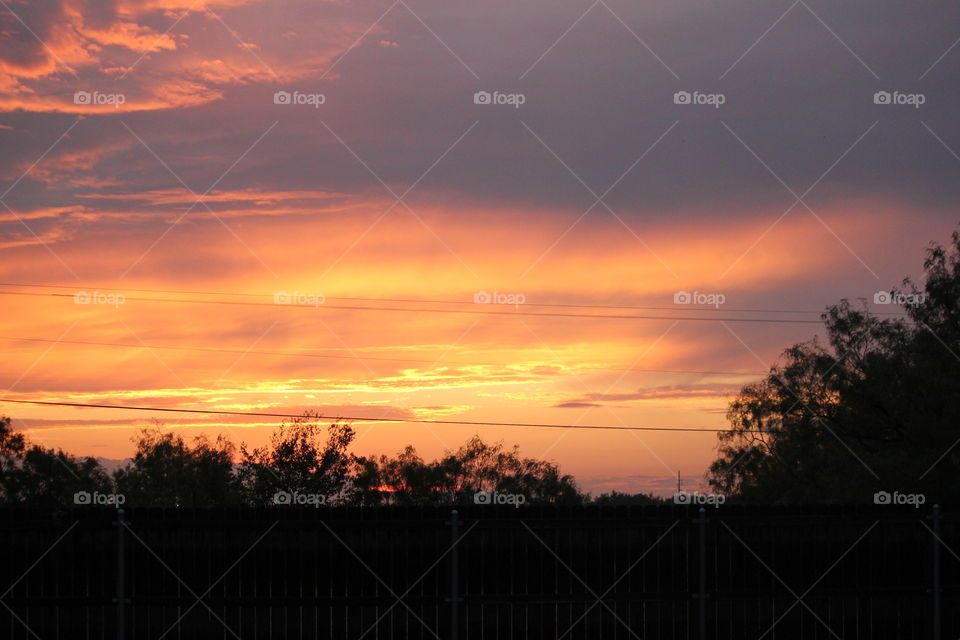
424, 300
426, 310
365, 419
403, 300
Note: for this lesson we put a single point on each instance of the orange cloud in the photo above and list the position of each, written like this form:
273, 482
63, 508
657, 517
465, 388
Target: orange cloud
80, 48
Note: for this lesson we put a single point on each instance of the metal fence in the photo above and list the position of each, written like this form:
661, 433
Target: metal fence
485, 572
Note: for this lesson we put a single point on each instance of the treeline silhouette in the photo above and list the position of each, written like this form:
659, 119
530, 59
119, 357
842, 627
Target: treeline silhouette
876, 408
306, 462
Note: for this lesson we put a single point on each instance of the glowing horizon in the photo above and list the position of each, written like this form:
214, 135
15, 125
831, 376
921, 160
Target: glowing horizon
348, 151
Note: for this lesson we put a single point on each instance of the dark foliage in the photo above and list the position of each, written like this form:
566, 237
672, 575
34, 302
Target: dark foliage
874, 409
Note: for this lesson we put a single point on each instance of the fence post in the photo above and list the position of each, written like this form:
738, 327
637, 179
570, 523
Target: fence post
120, 600
936, 572
454, 598
702, 521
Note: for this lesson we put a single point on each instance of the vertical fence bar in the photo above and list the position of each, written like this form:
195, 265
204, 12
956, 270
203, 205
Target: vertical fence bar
936, 572
121, 578
454, 576
702, 522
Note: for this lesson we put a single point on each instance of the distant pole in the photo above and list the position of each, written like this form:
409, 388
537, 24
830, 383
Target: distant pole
703, 573
936, 572
454, 576
121, 596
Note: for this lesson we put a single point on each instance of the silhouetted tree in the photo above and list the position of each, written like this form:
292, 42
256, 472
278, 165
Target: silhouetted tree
298, 459
303, 457
41, 476
405, 479
617, 498
873, 409
12, 447
54, 477
458, 475
167, 472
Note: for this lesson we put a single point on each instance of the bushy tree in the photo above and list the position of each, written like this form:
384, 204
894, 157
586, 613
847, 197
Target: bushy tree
44, 477
617, 499
304, 456
875, 408
12, 447
166, 471
300, 460
458, 475
54, 477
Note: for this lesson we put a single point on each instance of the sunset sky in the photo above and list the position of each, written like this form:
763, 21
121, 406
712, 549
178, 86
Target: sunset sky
188, 164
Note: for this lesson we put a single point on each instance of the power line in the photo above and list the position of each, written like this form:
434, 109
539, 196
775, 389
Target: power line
425, 310
428, 300
365, 419
362, 359
409, 300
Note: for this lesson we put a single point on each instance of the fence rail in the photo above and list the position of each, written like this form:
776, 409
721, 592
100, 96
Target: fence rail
482, 572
